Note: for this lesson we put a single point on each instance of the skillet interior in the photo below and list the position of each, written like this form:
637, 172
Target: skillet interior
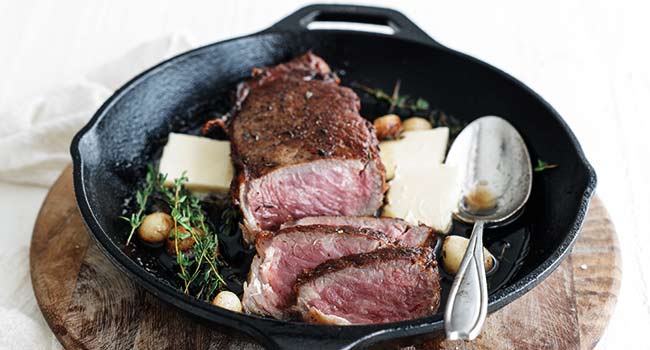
128, 132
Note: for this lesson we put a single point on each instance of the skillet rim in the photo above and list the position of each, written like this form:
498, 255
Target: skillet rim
254, 325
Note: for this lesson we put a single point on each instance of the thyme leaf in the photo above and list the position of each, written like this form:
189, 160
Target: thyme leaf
421, 104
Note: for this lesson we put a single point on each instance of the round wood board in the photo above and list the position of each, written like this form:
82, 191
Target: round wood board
90, 304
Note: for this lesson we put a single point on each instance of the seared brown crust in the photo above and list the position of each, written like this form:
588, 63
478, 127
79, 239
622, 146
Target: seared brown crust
295, 113
360, 221
323, 229
305, 65
431, 239
423, 256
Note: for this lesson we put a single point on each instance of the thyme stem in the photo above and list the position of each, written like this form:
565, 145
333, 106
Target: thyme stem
395, 96
179, 254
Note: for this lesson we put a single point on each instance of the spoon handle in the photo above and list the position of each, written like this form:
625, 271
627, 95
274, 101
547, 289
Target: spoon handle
467, 303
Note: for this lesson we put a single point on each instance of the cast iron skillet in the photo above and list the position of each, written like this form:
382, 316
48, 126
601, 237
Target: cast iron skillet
128, 131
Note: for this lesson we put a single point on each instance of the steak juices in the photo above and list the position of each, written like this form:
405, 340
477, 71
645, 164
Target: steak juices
302, 151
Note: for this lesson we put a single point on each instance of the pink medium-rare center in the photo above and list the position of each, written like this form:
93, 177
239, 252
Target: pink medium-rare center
317, 188
386, 285
283, 255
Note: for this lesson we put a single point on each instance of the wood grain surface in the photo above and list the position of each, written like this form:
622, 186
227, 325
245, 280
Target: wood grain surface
90, 304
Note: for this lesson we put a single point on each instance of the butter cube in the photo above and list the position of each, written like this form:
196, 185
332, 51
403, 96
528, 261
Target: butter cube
206, 162
426, 194
417, 146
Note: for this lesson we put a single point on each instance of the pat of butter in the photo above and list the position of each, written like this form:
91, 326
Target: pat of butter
417, 146
206, 162
426, 193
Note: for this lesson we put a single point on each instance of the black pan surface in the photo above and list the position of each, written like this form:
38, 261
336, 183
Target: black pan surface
111, 152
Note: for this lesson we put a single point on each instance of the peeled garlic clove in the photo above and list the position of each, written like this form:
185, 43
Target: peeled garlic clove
155, 227
416, 123
453, 250
388, 126
185, 240
227, 300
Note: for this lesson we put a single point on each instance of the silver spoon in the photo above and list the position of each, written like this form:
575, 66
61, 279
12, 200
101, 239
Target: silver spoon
495, 175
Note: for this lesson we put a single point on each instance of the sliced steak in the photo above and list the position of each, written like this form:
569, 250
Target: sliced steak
301, 148
386, 285
398, 230
283, 255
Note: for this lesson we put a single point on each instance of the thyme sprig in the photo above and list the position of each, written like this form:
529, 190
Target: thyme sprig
176, 201
542, 165
436, 117
153, 182
204, 260
199, 269
395, 99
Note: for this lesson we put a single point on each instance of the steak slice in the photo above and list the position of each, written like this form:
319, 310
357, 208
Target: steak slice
283, 255
301, 148
397, 230
387, 285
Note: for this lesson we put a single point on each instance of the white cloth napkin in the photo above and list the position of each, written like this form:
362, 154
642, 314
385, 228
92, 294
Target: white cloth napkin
35, 135
34, 140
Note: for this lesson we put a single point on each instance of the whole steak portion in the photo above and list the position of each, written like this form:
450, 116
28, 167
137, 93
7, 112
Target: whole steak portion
387, 285
301, 148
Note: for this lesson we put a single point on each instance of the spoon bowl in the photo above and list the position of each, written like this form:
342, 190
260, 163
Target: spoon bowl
494, 168
495, 177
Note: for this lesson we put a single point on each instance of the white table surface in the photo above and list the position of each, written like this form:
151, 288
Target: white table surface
589, 59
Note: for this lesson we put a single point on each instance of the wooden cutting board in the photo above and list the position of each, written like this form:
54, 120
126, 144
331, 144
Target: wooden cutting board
90, 304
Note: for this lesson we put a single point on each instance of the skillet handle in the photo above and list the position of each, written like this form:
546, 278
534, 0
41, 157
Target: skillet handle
403, 27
